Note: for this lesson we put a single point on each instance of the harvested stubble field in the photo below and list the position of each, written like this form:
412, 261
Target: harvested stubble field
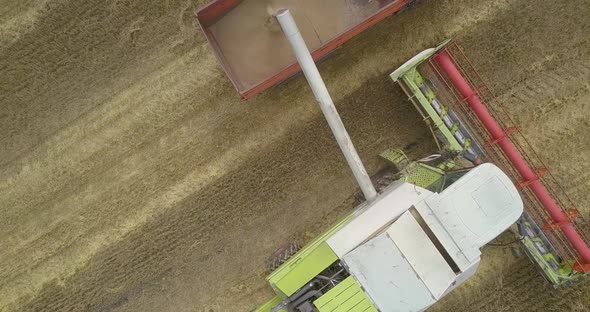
132, 178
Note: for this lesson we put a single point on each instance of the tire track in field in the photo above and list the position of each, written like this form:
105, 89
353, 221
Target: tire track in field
49, 73
554, 111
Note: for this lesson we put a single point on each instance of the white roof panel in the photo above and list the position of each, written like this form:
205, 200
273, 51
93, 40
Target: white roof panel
421, 254
397, 199
388, 279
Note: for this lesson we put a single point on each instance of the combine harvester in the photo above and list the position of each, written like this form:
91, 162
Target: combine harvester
420, 238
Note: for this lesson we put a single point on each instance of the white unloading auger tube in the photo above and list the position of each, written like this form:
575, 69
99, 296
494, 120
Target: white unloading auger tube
318, 87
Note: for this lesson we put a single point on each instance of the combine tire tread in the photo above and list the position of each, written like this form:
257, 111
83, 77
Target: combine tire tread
281, 255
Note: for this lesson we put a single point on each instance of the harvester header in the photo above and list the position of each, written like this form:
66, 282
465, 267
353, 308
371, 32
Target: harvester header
460, 107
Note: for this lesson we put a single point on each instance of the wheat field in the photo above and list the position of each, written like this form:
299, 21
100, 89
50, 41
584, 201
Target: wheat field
133, 178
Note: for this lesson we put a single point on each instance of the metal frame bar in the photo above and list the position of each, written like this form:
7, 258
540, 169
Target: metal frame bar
325, 102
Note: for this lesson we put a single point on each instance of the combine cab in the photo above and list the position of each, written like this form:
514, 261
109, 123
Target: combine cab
416, 242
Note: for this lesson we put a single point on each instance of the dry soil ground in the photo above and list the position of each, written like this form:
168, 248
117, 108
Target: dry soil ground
132, 178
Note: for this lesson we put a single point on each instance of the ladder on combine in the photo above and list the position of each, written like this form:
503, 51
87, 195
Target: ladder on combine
465, 115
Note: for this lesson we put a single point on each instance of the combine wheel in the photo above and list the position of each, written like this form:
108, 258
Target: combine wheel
282, 255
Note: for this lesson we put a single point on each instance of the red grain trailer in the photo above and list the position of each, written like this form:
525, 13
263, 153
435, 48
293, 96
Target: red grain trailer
252, 49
